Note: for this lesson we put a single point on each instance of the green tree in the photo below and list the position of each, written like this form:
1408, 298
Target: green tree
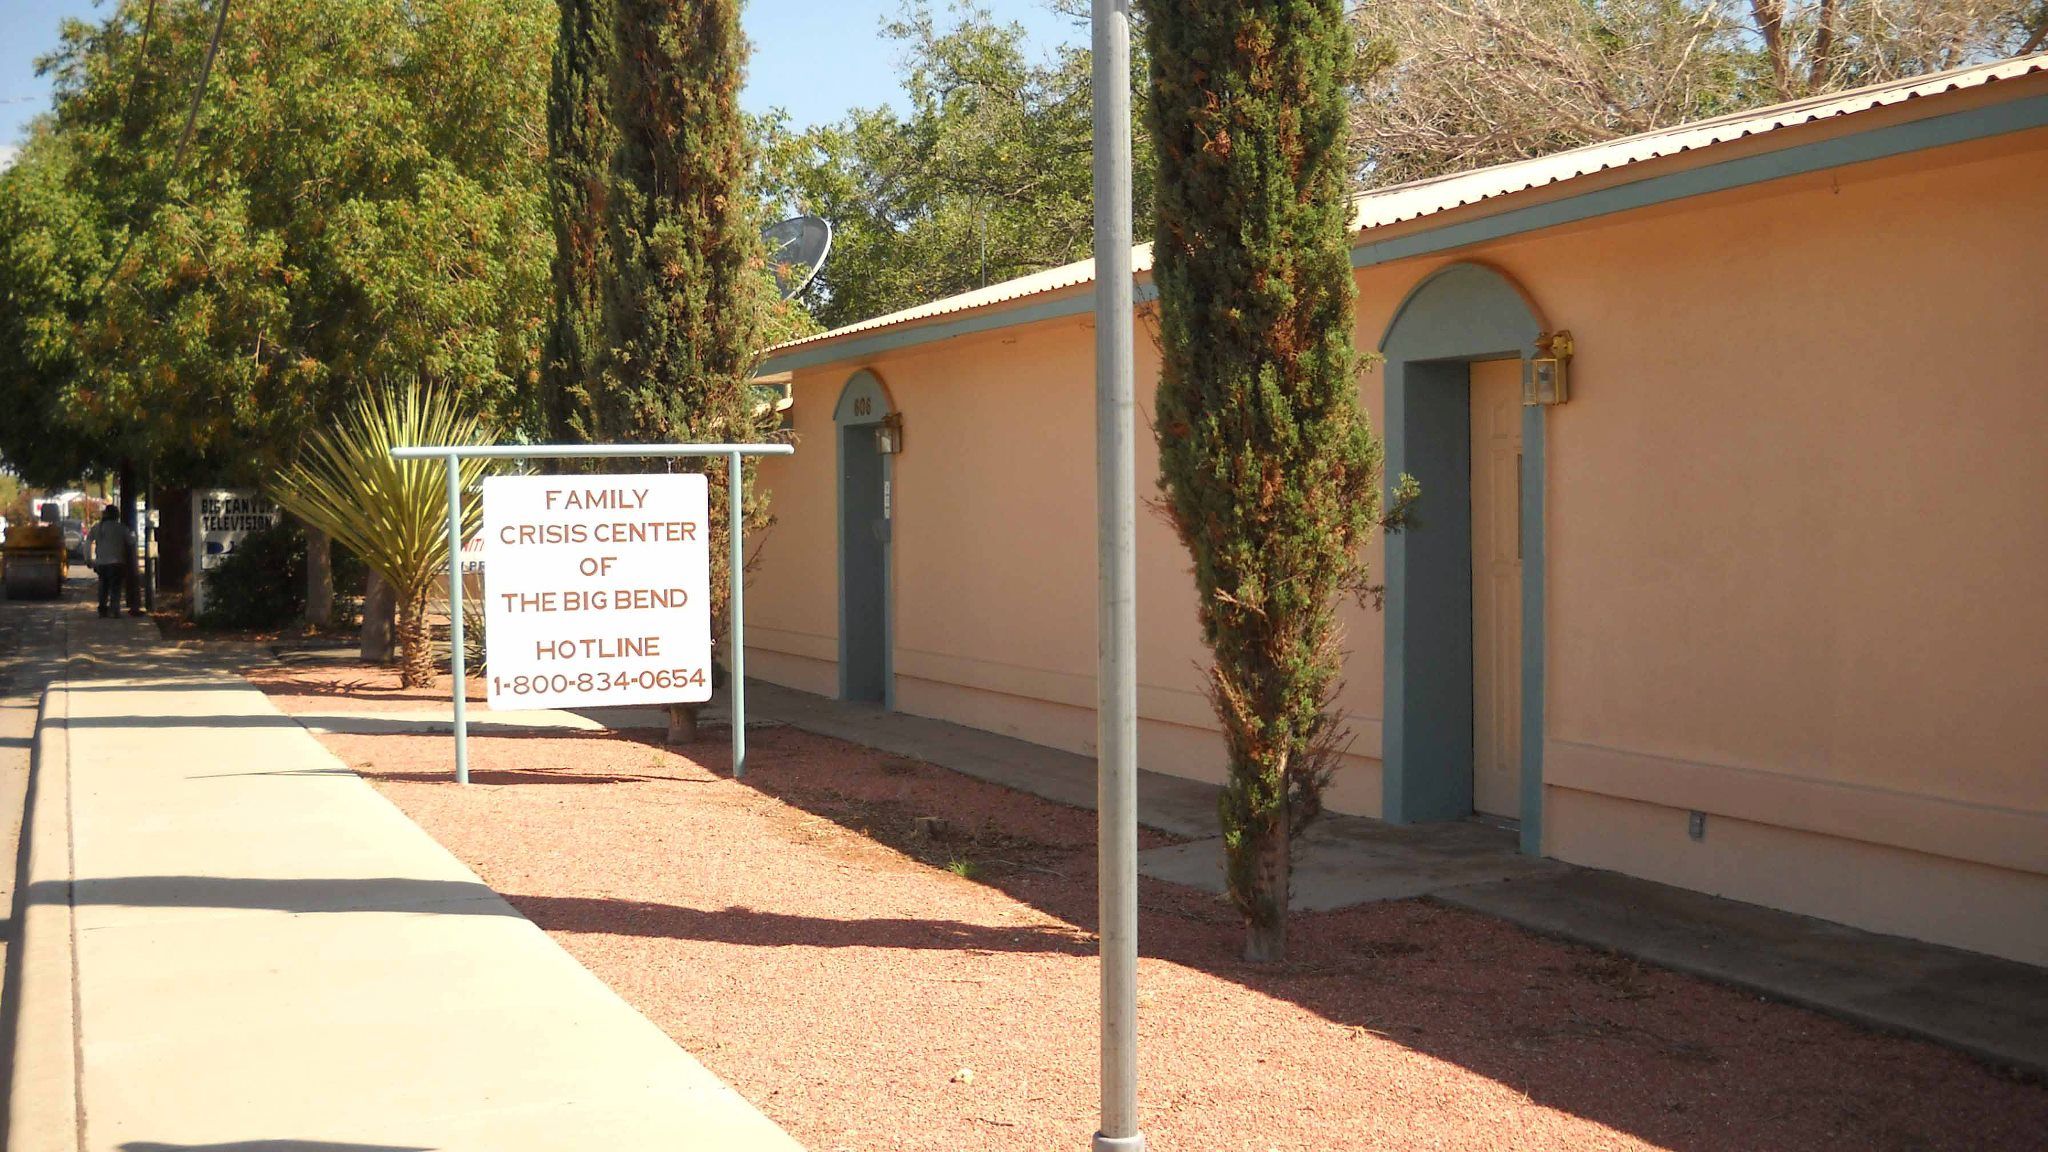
986, 177
51, 256
1268, 467
361, 200
684, 305
581, 142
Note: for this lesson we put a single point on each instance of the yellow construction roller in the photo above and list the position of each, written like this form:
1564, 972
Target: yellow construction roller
32, 557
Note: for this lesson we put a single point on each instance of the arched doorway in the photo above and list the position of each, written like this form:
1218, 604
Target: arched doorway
865, 508
1464, 608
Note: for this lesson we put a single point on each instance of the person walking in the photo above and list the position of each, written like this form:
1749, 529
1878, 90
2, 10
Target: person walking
106, 549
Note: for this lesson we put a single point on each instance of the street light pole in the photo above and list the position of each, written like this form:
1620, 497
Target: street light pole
1116, 735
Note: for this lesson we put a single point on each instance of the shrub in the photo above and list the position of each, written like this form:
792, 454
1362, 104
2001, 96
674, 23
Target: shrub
261, 584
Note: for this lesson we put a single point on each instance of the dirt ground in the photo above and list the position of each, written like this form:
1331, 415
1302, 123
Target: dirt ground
869, 989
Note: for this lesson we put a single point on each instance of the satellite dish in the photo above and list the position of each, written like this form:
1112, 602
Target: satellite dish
796, 250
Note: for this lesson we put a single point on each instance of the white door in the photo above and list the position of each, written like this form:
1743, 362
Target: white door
1497, 588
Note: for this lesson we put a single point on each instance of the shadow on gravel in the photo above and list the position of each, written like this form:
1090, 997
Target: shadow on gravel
745, 926
271, 680
1562, 1023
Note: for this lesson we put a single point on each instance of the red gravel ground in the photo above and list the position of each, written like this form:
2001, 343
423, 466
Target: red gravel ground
790, 932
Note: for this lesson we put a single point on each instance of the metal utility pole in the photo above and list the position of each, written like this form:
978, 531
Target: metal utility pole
1116, 703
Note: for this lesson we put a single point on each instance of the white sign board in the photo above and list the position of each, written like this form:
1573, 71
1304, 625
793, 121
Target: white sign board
221, 517
599, 590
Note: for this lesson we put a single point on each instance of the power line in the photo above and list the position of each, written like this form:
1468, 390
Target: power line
199, 92
141, 62
220, 23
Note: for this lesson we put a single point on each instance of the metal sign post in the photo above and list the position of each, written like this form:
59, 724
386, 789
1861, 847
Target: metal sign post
454, 454
1116, 715
457, 656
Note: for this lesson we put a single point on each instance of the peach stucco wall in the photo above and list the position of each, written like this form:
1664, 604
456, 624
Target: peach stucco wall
1796, 550
994, 559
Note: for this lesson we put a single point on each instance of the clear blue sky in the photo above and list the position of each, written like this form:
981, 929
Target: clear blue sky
816, 58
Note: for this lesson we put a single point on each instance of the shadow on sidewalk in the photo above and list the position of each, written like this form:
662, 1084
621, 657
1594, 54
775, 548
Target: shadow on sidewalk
520, 776
339, 894
175, 722
271, 1146
159, 684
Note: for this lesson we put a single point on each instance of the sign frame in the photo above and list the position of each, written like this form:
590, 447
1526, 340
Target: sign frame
454, 454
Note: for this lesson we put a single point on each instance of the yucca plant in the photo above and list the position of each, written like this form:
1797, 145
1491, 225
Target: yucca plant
391, 513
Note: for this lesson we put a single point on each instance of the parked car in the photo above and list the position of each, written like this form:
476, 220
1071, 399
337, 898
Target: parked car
74, 539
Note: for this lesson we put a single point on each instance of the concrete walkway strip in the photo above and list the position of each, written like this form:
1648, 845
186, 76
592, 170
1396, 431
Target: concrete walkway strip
1171, 804
1348, 860
270, 955
1996, 1010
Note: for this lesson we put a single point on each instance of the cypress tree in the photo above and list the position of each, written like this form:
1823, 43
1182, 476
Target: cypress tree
683, 311
1268, 466
581, 140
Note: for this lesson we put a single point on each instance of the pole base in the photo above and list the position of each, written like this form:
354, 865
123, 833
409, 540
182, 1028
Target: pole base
1119, 1143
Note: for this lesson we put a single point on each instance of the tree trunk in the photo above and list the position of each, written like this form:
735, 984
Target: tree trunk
415, 643
1265, 936
131, 568
146, 541
319, 579
682, 723
379, 606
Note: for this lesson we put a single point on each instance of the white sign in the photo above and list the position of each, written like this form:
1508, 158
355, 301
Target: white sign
599, 590
221, 517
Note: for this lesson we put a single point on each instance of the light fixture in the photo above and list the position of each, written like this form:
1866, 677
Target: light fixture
1548, 382
889, 434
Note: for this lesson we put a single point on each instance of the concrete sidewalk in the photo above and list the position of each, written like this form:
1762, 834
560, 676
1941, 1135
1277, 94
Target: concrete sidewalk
234, 942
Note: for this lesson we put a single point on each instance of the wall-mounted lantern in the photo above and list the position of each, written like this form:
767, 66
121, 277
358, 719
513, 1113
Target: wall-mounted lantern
1550, 371
889, 434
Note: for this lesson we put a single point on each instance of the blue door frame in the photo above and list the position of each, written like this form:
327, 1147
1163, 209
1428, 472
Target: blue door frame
1459, 314
867, 607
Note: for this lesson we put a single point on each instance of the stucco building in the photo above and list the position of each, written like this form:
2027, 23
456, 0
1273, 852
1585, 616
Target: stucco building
1760, 610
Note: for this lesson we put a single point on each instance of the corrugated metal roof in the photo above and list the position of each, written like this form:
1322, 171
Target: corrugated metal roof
1427, 197
1422, 198
1036, 284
